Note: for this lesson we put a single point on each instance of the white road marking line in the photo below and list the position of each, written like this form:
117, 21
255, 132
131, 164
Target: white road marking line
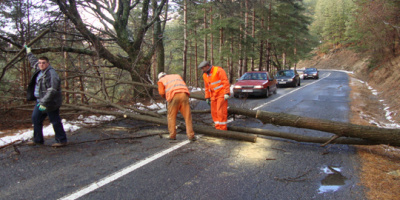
112, 177
258, 107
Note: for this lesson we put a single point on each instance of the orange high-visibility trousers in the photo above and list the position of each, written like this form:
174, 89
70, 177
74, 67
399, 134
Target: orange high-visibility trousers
180, 102
219, 113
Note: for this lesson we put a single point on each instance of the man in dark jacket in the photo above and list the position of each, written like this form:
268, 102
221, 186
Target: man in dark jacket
45, 89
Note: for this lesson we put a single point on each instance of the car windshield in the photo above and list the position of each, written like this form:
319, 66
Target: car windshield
254, 76
285, 73
310, 70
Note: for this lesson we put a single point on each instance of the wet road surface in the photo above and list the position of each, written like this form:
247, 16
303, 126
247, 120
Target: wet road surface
123, 159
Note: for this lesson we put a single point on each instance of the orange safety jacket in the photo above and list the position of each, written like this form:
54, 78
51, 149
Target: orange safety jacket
171, 84
216, 83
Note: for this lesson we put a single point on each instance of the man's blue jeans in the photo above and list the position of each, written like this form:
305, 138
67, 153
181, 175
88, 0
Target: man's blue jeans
37, 119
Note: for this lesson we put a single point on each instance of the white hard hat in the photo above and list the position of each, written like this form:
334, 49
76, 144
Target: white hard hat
161, 74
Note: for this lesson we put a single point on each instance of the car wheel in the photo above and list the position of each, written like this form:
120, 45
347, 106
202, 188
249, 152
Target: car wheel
267, 93
236, 95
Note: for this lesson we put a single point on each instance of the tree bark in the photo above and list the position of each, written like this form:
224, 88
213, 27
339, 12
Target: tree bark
351, 133
301, 138
199, 129
205, 28
185, 41
341, 129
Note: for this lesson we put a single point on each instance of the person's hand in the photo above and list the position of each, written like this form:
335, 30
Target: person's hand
41, 107
208, 101
226, 96
28, 49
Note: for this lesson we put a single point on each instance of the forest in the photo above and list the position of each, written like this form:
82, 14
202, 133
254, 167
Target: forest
108, 51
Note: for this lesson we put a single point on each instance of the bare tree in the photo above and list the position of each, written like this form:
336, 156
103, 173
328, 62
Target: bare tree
134, 56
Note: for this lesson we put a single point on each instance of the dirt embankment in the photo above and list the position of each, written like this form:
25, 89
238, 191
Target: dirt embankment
379, 171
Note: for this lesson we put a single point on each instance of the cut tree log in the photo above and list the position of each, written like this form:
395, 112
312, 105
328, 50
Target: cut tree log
301, 138
373, 134
199, 129
367, 134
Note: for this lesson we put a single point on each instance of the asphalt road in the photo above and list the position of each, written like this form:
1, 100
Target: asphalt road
108, 162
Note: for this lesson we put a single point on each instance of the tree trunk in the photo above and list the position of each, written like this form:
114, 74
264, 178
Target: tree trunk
351, 133
221, 40
231, 74
284, 60
301, 138
185, 41
341, 129
240, 48
211, 37
158, 37
268, 44
199, 129
246, 34
66, 84
205, 35
253, 34
196, 58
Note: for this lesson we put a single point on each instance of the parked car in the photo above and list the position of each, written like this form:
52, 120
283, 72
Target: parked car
311, 73
257, 83
288, 78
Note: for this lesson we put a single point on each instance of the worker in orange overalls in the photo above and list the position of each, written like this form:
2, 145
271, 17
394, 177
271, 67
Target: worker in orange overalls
174, 90
217, 89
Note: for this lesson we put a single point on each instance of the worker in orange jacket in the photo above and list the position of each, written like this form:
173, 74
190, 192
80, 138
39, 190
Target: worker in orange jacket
217, 92
174, 90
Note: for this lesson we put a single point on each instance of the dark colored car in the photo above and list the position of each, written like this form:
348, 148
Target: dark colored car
311, 73
258, 83
288, 78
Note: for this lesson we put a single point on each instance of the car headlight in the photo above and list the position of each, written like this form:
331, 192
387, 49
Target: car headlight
258, 87
237, 87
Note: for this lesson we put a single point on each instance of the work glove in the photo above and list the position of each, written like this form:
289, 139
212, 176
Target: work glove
208, 101
226, 96
41, 107
28, 49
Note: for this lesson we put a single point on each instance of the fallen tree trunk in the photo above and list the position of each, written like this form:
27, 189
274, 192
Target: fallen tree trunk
301, 138
370, 133
240, 133
199, 129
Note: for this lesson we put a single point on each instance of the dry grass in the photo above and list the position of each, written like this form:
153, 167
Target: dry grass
380, 161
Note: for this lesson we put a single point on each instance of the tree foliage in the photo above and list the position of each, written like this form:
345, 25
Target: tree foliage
129, 37
284, 26
372, 26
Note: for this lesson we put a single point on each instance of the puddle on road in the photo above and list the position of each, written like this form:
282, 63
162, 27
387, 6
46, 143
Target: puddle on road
333, 181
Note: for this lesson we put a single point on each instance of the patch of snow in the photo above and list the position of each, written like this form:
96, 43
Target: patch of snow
388, 114
326, 170
69, 126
